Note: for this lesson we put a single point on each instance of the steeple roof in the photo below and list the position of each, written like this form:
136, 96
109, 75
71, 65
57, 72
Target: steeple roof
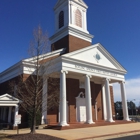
80, 2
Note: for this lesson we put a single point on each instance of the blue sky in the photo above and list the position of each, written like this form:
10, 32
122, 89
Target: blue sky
114, 23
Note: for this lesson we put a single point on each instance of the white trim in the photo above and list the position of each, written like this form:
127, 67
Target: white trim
61, 2
20, 67
71, 31
103, 50
11, 102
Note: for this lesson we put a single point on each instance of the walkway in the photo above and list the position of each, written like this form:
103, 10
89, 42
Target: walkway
90, 133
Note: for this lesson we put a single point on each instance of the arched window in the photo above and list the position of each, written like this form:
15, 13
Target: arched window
61, 19
78, 18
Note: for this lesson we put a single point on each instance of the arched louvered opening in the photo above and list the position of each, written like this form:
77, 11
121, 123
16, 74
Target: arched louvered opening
61, 19
78, 18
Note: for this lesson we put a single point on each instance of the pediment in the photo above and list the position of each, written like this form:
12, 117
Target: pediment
96, 55
7, 97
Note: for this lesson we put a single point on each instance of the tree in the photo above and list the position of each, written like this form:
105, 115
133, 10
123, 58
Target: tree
131, 108
29, 90
118, 109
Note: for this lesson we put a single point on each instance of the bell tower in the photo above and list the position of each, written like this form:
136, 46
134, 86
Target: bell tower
70, 26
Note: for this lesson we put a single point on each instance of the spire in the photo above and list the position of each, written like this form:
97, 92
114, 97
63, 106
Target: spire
70, 21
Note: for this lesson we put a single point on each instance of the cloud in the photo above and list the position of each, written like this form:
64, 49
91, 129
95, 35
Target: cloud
132, 90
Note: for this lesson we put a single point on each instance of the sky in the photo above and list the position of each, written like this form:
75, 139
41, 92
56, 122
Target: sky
114, 23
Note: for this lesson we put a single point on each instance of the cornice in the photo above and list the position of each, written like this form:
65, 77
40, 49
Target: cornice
111, 58
60, 2
71, 31
81, 3
91, 65
19, 67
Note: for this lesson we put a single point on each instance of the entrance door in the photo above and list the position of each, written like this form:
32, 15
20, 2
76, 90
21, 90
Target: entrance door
80, 109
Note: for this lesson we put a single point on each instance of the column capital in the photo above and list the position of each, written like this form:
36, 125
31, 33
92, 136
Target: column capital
64, 71
88, 76
106, 79
122, 82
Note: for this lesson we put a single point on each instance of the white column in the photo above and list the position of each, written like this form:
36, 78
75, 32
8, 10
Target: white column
16, 113
44, 101
124, 103
108, 101
85, 20
104, 102
88, 100
9, 114
63, 102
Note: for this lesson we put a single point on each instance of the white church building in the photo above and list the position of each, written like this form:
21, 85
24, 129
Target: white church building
86, 71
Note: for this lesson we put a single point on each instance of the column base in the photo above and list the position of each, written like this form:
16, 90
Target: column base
110, 120
90, 122
127, 120
63, 124
43, 121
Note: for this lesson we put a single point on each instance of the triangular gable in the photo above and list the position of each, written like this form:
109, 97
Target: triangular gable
6, 97
96, 54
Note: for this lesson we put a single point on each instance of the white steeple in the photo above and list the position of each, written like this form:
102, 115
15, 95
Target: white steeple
71, 19
74, 14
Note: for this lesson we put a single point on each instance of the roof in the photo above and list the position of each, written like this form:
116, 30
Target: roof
8, 100
19, 68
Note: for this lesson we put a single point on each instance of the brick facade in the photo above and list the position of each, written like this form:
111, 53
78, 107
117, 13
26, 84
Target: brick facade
112, 101
73, 90
71, 44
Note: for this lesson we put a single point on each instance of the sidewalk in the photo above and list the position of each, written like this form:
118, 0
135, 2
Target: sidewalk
90, 133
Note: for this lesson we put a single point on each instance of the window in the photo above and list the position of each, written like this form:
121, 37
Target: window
61, 19
78, 18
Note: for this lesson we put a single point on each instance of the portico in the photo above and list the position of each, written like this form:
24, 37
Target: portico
9, 107
103, 72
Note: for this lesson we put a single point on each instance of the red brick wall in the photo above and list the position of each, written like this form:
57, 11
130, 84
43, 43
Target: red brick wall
53, 111
71, 43
73, 91
112, 101
96, 95
77, 43
52, 115
5, 86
